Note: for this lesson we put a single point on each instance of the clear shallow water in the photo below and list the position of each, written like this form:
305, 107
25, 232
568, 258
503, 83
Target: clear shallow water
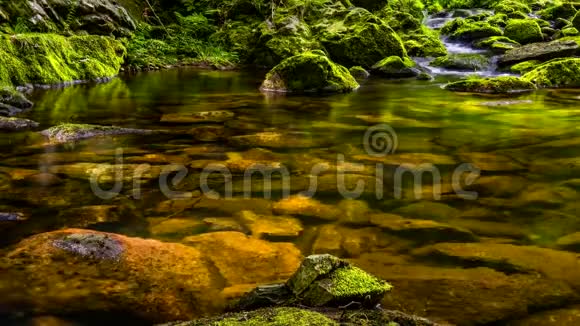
526, 147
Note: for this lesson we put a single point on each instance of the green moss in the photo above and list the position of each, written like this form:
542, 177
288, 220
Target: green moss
309, 72
570, 31
498, 20
523, 67
396, 67
354, 282
556, 73
497, 85
10, 96
463, 61
359, 73
270, 316
361, 43
475, 31
497, 44
53, 59
512, 6
561, 10
424, 43
523, 31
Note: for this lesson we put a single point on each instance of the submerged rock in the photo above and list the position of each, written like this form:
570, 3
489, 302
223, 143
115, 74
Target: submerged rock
496, 85
271, 226
305, 206
540, 52
309, 72
11, 217
73, 132
569, 316
15, 124
556, 73
273, 139
198, 117
396, 67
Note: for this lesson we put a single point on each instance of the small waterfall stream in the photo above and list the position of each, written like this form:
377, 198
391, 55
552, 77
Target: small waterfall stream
438, 20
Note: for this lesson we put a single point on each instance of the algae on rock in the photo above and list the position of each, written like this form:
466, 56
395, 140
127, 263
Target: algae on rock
496, 85
556, 73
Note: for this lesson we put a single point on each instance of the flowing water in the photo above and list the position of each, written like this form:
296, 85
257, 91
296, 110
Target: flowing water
525, 148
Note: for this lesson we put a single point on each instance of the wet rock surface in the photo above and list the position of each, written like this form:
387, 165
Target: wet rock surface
74, 132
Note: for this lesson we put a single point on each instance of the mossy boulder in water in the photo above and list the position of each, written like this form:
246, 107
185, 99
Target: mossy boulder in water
322, 281
466, 31
523, 67
69, 132
496, 85
12, 97
361, 39
359, 73
556, 73
396, 67
463, 61
540, 52
523, 31
309, 72
15, 124
497, 44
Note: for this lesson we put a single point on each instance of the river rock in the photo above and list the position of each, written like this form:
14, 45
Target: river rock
422, 231
428, 211
463, 61
102, 17
16, 124
86, 216
271, 139
217, 224
507, 258
270, 226
498, 186
308, 207
492, 162
198, 117
263, 262
494, 85
556, 73
174, 227
570, 242
309, 72
111, 273
569, 316
324, 281
396, 67
69, 132
464, 296
540, 51
12, 101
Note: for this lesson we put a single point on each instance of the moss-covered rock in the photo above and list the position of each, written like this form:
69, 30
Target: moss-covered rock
511, 7
556, 73
523, 31
564, 10
463, 61
54, 59
69, 132
361, 40
396, 67
309, 72
424, 43
13, 101
14, 124
359, 73
321, 281
498, 20
497, 44
473, 31
496, 85
540, 52
101, 17
570, 31
523, 67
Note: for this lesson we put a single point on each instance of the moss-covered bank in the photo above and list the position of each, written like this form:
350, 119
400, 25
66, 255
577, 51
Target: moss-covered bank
56, 59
